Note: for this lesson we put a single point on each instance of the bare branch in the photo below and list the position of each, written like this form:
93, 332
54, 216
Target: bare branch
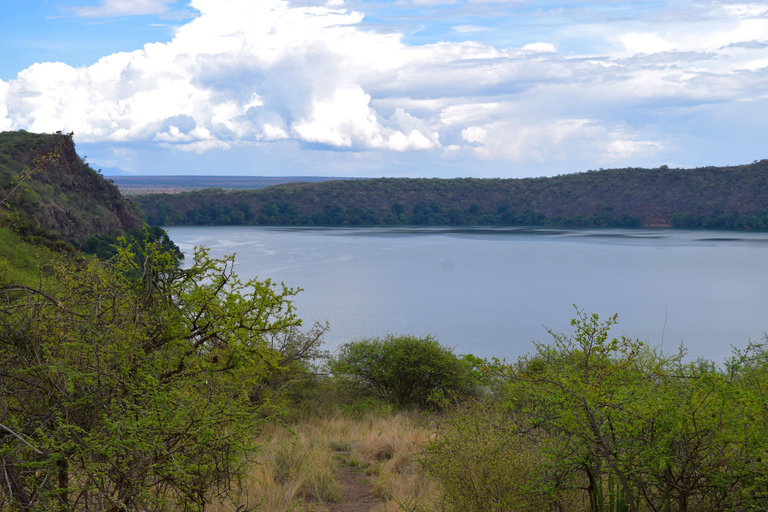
18, 436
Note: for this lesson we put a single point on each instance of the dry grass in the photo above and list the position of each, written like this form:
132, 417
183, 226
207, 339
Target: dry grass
296, 469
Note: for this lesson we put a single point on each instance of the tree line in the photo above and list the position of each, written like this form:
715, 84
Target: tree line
660, 197
422, 214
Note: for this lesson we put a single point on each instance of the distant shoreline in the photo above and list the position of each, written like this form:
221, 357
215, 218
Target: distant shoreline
133, 185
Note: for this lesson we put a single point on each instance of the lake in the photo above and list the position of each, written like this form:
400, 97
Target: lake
493, 291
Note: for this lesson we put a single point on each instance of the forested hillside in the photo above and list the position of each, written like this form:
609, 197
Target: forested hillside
65, 197
711, 197
51, 202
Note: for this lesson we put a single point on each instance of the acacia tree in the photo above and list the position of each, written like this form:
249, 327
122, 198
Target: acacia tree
129, 385
647, 431
579, 387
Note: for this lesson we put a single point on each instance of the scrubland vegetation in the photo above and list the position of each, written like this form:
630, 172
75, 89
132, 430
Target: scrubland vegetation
586, 422
135, 385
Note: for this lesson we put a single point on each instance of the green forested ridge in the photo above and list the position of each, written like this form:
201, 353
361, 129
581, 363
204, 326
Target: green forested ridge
710, 197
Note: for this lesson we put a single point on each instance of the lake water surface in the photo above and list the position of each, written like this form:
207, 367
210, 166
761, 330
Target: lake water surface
492, 291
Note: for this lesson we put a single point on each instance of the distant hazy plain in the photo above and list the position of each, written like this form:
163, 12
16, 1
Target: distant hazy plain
492, 291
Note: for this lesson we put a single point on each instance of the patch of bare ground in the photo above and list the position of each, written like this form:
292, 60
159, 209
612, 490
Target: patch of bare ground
357, 491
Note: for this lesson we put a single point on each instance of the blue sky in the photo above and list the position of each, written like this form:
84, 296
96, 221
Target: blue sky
445, 88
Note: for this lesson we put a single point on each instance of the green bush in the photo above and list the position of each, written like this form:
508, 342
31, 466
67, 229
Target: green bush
403, 370
482, 463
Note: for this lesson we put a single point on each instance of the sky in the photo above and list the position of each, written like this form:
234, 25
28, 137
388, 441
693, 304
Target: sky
404, 88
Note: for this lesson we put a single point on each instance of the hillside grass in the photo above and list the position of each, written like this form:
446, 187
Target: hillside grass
59, 191
21, 262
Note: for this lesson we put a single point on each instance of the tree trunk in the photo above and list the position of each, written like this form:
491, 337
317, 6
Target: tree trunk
63, 468
12, 486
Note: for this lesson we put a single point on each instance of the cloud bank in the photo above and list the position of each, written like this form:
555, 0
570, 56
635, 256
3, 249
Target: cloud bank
252, 73
110, 8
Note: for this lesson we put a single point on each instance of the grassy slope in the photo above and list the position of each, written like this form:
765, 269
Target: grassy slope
21, 262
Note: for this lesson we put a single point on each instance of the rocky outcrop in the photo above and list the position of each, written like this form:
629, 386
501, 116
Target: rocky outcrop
66, 196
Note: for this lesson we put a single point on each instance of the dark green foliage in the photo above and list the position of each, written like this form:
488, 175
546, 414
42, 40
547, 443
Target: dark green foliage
33, 234
719, 220
212, 215
620, 198
107, 246
285, 214
404, 370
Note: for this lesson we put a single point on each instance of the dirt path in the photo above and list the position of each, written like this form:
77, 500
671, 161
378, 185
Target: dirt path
356, 491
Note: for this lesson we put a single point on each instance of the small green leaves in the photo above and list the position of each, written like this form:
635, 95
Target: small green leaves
140, 378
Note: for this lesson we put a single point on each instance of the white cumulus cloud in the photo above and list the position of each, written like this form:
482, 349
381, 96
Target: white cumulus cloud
343, 120
247, 72
556, 139
619, 148
5, 123
241, 71
540, 47
474, 134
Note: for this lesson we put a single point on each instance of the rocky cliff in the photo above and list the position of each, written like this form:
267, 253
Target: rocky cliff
66, 195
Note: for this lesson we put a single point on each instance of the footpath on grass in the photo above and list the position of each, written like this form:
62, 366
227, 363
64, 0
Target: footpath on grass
356, 491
